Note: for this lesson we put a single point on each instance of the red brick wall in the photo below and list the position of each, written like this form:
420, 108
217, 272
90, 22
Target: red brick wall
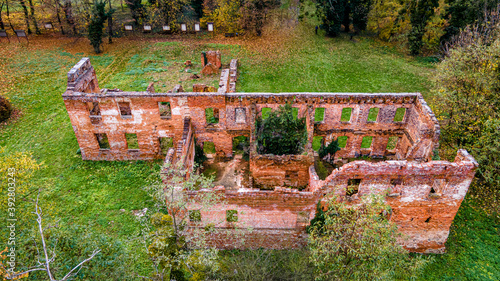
277, 216
422, 217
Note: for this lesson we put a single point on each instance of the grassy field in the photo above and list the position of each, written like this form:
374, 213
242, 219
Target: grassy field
101, 195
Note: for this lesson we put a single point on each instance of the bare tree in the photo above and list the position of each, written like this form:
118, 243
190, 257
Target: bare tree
484, 32
45, 261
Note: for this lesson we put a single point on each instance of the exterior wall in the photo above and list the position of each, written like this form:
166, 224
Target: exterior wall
418, 132
423, 217
277, 218
273, 219
145, 121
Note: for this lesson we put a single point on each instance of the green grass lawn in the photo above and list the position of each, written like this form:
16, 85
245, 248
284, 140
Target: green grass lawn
342, 141
366, 142
209, 147
316, 143
400, 114
391, 144
372, 114
319, 114
346, 114
101, 195
266, 111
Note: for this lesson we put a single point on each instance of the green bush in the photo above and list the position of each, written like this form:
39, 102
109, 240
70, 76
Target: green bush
5, 109
96, 25
281, 133
262, 264
199, 155
358, 243
331, 149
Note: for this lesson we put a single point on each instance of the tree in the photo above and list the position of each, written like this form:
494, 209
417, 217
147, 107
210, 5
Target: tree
168, 11
466, 88
96, 25
332, 13
26, 15
329, 151
421, 11
360, 10
281, 132
384, 18
70, 18
136, 9
175, 247
253, 14
33, 18
225, 14
357, 242
339, 12
44, 261
462, 13
2, 4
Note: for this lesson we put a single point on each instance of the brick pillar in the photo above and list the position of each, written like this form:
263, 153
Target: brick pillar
309, 127
82, 78
378, 146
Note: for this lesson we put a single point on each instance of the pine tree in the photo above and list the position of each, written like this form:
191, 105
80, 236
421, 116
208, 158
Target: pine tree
96, 25
333, 15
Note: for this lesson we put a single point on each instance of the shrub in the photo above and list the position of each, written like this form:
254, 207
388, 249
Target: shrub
263, 264
199, 155
5, 109
466, 87
281, 133
331, 149
358, 243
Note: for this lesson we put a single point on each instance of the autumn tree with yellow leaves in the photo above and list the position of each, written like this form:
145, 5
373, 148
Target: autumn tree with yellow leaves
466, 89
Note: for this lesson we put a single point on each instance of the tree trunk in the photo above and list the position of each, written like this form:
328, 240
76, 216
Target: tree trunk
2, 26
26, 15
68, 9
110, 25
8, 15
58, 7
33, 18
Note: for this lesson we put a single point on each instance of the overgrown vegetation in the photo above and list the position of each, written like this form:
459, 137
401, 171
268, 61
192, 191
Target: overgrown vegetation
281, 133
174, 254
99, 197
262, 264
5, 109
466, 90
359, 243
329, 151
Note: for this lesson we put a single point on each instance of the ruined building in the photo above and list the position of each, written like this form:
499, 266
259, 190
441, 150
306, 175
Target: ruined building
424, 194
